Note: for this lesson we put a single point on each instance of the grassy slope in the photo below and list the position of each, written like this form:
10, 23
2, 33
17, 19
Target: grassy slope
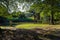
32, 25
29, 25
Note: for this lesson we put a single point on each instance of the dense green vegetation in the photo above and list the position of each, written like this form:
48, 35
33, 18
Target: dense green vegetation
40, 11
29, 19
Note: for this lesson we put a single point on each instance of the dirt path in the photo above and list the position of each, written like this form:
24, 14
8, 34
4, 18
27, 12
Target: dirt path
29, 34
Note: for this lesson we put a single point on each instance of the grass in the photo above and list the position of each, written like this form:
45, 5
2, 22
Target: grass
30, 25
26, 25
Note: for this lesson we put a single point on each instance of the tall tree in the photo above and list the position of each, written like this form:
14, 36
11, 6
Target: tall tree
50, 5
54, 7
37, 7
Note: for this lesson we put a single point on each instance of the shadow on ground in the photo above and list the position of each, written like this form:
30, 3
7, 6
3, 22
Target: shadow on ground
29, 34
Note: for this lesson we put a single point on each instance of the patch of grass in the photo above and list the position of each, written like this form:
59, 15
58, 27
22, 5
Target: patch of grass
30, 25
31, 18
25, 25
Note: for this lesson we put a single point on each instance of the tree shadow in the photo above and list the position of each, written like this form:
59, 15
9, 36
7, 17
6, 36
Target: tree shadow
27, 34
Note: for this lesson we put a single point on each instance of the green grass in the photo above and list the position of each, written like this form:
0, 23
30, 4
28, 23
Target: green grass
26, 26
30, 25
31, 18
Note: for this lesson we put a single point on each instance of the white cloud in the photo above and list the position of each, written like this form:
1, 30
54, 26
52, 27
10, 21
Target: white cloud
23, 7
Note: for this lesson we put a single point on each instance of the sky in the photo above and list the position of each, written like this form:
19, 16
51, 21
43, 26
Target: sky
18, 6
23, 7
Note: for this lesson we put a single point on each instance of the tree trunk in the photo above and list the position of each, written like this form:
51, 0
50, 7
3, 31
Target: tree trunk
52, 17
10, 23
52, 12
36, 17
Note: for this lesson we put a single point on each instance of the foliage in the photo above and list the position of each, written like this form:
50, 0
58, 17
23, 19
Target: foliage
48, 8
3, 11
16, 14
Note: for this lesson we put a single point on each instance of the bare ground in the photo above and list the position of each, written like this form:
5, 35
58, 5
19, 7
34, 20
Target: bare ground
40, 33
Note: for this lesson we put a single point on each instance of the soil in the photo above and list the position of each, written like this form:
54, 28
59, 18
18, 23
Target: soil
29, 34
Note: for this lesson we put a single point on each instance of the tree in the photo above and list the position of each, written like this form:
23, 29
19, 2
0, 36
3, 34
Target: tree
3, 11
37, 7
54, 7
49, 5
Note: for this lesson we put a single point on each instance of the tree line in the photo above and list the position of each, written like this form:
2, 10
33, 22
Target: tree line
46, 9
